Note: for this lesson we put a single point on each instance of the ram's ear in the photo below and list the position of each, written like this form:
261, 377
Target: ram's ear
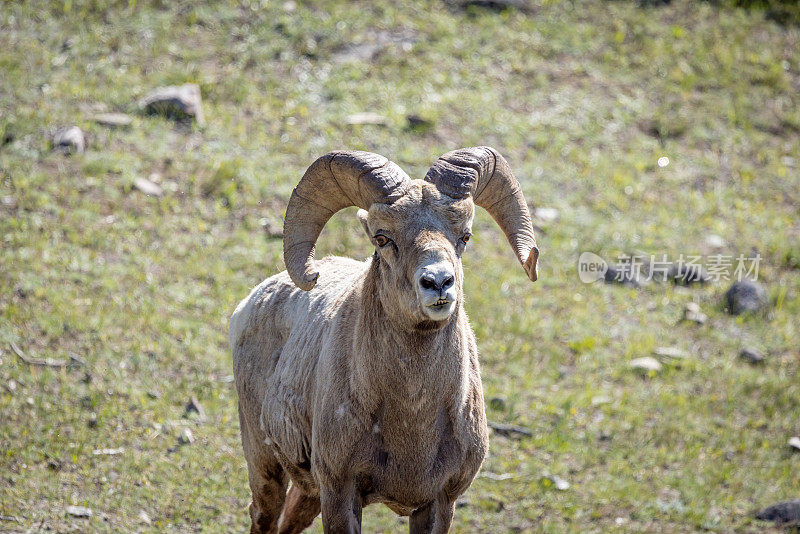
362, 218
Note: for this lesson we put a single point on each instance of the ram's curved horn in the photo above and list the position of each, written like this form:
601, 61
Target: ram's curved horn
333, 182
485, 175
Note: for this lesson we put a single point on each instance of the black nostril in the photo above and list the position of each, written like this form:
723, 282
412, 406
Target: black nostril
428, 282
448, 282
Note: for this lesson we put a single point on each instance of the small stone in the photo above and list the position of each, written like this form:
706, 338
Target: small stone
646, 363
691, 312
366, 118
179, 102
147, 187
745, 296
69, 140
782, 512
670, 353
9, 202
194, 407
356, 52
115, 120
92, 421
599, 400
79, 511
794, 442
752, 355
108, 452
715, 241
546, 214
558, 483
144, 517
186, 437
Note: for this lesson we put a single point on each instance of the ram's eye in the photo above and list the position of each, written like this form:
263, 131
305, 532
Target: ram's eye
382, 240
465, 238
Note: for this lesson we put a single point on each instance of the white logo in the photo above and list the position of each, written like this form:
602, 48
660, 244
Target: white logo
591, 267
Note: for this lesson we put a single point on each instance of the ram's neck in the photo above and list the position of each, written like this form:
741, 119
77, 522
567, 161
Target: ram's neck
397, 363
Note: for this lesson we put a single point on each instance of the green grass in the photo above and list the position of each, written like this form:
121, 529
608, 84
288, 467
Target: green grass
581, 97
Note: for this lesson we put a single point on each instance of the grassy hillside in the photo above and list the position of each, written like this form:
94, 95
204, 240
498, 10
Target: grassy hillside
582, 97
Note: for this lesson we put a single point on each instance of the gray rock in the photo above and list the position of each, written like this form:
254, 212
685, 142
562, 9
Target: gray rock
745, 296
186, 437
794, 442
118, 120
782, 512
715, 241
79, 511
108, 452
691, 312
356, 52
147, 187
670, 353
375, 43
751, 355
366, 117
69, 140
194, 409
646, 364
179, 102
558, 483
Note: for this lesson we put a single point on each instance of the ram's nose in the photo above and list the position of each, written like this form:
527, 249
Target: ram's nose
436, 288
436, 279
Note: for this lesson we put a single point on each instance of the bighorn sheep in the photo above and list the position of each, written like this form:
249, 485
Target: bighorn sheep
359, 381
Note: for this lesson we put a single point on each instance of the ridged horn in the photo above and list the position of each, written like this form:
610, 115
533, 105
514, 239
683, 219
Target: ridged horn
481, 172
335, 181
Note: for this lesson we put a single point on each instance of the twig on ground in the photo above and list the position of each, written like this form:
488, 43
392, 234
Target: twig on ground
510, 430
46, 362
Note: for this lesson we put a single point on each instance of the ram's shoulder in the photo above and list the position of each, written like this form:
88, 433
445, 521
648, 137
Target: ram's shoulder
284, 302
337, 273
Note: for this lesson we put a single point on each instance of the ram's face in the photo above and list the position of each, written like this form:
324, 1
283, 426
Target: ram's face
419, 241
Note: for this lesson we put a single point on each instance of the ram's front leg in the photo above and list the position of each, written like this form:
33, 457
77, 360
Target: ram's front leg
434, 518
341, 509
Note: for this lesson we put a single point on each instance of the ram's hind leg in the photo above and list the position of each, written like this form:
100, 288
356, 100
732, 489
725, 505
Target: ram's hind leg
268, 485
268, 480
299, 511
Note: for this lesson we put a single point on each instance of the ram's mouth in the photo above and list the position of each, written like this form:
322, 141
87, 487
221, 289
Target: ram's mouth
439, 304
